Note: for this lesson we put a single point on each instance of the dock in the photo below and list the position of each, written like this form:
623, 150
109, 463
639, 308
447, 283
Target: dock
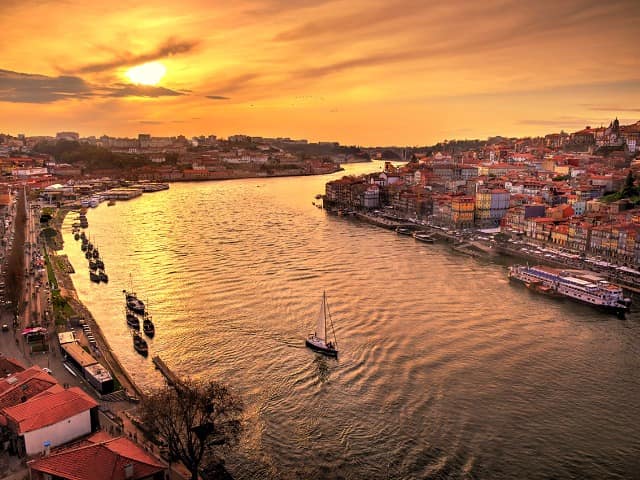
169, 376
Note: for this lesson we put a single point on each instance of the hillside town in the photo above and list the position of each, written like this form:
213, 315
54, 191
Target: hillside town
39, 159
574, 192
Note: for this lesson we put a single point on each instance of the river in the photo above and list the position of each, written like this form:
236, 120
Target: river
445, 369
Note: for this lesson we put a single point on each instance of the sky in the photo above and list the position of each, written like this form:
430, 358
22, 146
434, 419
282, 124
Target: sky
361, 72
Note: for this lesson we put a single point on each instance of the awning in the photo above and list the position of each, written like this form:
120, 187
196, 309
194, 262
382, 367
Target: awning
28, 331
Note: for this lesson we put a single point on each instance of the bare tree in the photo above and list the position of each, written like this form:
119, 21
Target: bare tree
196, 419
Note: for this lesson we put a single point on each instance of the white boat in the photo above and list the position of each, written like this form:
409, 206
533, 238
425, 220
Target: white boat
578, 285
319, 340
424, 237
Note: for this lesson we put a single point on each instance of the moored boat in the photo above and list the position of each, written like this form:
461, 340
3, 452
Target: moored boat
133, 302
140, 344
403, 231
76, 236
319, 340
132, 320
94, 277
148, 327
578, 285
424, 237
103, 276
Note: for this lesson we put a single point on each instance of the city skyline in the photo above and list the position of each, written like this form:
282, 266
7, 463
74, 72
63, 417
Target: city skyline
359, 73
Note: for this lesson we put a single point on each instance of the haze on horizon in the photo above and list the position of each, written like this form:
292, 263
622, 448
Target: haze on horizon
371, 72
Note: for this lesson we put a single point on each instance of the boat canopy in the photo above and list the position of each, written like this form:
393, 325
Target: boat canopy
28, 331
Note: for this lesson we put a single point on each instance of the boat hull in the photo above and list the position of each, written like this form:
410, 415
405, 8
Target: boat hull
320, 347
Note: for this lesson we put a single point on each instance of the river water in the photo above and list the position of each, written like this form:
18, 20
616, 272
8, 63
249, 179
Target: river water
445, 369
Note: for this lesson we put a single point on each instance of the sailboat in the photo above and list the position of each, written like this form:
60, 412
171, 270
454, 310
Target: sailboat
319, 340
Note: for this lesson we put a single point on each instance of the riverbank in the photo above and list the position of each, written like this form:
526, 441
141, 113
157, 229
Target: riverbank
80, 312
490, 249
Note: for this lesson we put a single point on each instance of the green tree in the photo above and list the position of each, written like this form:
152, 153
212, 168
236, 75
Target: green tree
197, 420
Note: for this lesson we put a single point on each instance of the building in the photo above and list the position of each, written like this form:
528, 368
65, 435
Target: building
462, 208
57, 417
99, 457
22, 385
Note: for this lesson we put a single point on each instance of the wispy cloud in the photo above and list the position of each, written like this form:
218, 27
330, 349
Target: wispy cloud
604, 108
168, 48
217, 97
125, 90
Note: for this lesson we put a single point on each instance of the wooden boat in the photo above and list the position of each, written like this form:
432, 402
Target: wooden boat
133, 302
132, 320
94, 277
319, 340
148, 327
140, 344
103, 276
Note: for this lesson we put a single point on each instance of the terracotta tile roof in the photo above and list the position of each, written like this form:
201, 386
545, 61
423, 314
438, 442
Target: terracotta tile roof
101, 457
49, 409
9, 365
24, 385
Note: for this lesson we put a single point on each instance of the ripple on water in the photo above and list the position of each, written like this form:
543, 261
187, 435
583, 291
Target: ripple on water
445, 370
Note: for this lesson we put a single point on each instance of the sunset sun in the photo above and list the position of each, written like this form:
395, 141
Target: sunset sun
147, 73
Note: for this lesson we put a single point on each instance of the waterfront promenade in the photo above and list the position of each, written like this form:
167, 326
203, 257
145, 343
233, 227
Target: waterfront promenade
116, 409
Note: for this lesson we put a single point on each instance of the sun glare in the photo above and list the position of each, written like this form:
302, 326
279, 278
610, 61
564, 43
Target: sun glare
147, 73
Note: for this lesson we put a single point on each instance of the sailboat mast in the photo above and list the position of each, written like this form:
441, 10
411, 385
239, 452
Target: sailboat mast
324, 312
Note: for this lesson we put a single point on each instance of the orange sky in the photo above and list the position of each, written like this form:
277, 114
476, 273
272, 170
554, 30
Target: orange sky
364, 72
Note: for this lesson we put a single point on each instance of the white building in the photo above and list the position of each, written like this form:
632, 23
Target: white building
57, 417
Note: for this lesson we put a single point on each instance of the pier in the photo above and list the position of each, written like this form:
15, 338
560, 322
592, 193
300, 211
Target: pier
170, 377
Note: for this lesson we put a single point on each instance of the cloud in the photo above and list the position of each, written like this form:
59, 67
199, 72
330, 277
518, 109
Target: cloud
19, 87
151, 122
604, 108
217, 97
126, 90
169, 48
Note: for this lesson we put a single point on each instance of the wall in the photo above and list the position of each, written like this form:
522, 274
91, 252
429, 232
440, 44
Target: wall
58, 433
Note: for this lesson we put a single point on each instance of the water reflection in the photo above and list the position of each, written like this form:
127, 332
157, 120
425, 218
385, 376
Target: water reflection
444, 369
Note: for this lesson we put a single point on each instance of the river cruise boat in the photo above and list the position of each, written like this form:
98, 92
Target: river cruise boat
579, 285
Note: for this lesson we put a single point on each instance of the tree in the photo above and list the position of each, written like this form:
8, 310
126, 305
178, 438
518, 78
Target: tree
629, 190
195, 419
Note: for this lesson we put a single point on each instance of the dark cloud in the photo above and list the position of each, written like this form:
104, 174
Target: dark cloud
16, 87
19, 87
126, 90
217, 97
167, 49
